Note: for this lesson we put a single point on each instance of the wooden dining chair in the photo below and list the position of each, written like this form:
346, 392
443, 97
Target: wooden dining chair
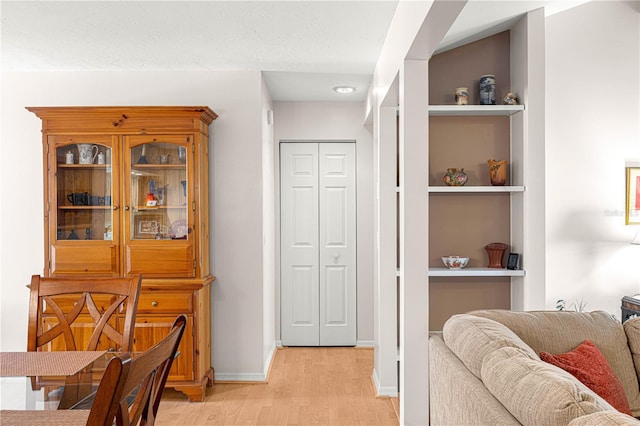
82, 313
140, 379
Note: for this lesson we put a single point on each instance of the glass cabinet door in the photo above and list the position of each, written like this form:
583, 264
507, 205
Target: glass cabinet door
158, 195
84, 185
158, 207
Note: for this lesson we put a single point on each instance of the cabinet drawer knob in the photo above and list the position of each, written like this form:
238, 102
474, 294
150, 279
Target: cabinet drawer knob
154, 303
126, 208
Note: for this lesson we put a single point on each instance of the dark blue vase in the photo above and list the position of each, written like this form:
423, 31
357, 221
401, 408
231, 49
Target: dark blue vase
488, 89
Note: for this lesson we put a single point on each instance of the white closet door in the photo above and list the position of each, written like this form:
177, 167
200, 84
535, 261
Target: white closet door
337, 244
318, 244
299, 272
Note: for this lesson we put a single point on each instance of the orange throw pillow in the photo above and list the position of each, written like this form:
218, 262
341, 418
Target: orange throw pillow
589, 366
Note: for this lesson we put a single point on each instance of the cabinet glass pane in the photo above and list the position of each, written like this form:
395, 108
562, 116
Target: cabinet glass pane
83, 186
159, 192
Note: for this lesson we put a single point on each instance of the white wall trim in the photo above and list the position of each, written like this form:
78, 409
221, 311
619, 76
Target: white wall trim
240, 377
251, 377
269, 359
383, 391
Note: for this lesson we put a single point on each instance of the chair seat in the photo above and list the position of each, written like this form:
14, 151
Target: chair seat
44, 417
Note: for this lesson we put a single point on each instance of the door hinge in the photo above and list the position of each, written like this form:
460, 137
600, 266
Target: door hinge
193, 147
194, 264
193, 206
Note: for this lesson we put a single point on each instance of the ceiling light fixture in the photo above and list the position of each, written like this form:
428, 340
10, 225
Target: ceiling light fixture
344, 89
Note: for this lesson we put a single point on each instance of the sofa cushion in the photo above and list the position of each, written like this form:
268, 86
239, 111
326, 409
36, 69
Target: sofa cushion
535, 392
587, 364
632, 328
557, 332
605, 418
471, 338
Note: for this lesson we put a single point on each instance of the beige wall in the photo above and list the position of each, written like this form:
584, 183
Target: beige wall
236, 193
593, 128
463, 225
325, 121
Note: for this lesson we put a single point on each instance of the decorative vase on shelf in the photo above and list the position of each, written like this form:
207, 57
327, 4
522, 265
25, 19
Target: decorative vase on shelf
455, 177
462, 96
496, 253
498, 172
488, 89
510, 99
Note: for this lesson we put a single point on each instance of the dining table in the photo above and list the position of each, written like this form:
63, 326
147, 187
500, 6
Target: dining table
49, 380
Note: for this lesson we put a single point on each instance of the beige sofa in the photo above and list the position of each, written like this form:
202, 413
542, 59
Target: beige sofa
485, 369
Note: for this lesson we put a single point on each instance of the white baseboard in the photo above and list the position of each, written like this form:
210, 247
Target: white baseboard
249, 377
359, 343
240, 377
389, 391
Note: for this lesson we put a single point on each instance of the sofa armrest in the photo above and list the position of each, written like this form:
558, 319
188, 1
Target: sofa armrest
456, 396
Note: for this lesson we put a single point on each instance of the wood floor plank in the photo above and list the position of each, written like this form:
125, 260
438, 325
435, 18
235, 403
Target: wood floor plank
306, 386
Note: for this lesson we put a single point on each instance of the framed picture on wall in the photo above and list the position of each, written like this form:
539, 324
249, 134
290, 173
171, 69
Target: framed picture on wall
632, 210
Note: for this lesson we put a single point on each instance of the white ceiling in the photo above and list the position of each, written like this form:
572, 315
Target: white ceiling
304, 47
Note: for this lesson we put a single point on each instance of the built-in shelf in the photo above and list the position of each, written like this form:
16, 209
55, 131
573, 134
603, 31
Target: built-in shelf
475, 272
457, 189
470, 110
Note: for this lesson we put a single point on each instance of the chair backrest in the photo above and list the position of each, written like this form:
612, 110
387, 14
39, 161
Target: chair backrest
145, 376
84, 312
109, 394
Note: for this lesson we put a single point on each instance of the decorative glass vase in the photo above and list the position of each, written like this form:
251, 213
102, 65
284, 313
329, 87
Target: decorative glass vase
455, 177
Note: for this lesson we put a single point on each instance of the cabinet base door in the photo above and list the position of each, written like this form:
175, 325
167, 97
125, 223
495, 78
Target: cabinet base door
149, 330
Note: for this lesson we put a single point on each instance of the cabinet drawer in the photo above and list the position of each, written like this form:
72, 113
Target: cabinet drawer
178, 303
68, 301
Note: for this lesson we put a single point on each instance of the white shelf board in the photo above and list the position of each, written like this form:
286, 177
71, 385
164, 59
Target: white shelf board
471, 110
475, 272
456, 189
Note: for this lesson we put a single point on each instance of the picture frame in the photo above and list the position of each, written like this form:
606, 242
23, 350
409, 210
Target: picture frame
147, 227
632, 202
512, 262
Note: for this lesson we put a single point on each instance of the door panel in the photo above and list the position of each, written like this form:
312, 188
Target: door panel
299, 244
318, 234
337, 254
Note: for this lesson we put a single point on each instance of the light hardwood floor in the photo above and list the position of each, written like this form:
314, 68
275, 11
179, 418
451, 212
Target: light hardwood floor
306, 386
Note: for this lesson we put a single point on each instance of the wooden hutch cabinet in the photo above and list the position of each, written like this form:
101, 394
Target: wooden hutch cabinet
126, 192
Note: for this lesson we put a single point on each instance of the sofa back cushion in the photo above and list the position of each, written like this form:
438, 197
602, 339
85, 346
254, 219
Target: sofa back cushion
535, 392
632, 328
471, 338
558, 332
